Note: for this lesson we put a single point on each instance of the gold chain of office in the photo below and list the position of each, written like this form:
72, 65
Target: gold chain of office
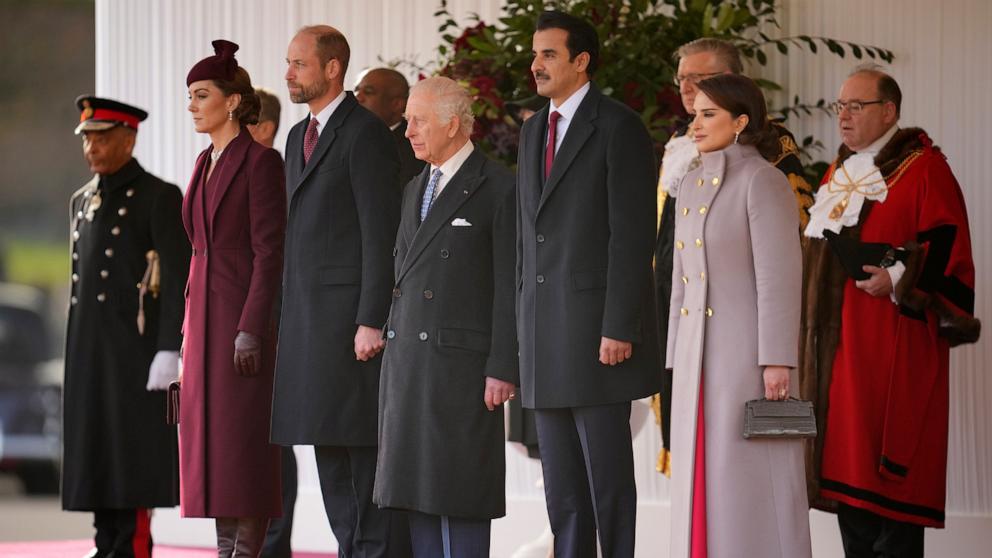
862, 187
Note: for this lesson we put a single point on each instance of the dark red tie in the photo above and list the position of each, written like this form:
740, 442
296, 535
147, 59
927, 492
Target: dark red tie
310, 140
549, 152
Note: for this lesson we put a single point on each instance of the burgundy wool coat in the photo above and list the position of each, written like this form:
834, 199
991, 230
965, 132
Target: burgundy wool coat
236, 222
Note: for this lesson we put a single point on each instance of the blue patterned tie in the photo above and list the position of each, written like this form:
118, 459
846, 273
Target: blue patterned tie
428, 201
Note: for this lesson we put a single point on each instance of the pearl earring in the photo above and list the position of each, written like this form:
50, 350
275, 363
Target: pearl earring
737, 136
230, 115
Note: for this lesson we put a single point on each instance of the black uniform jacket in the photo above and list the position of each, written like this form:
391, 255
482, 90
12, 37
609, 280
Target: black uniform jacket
343, 214
584, 248
118, 450
451, 325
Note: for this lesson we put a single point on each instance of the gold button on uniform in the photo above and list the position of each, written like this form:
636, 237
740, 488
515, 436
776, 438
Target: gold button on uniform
702, 275
101, 297
699, 182
685, 211
679, 244
709, 312
130, 192
109, 252
716, 181
684, 312
104, 274
702, 210
685, 280
115, 231
122, 211
699, 243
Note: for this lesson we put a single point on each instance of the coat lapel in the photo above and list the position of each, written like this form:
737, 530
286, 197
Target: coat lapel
579, 131
327, 136
535, 142
237, 151
459, 189
194, 185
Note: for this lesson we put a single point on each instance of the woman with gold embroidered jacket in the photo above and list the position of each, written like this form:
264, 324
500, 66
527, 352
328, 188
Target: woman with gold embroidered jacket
733, 337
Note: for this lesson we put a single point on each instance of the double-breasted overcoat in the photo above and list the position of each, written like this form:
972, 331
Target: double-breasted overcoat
735, 308
118, 451
451, 325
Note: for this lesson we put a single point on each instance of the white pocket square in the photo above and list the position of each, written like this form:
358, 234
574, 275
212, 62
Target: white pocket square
459, 222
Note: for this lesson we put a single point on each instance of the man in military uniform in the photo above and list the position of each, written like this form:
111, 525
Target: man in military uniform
699, 60
130, 258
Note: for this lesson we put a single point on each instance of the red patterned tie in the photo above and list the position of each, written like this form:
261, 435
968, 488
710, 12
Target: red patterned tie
549, 151
310, 140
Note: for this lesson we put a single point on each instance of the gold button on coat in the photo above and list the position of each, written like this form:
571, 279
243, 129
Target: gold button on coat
109, 252
716, 181
699, 243
702, 275
101, 297
699, 182
702, 210
684, 312
685, 280
685, 211
679, 244
104, 274
122, 211
709, 312
115, 231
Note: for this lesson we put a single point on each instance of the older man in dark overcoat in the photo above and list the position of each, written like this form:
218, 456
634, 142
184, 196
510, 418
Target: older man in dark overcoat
451, 352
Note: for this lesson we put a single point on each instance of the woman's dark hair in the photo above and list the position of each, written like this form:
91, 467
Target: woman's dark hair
740, 95
249, 108
582, 35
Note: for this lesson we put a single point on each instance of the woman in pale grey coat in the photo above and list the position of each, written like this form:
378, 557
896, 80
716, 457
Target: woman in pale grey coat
733, 336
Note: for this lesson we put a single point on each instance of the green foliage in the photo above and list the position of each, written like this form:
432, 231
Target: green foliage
637, 66
38, 263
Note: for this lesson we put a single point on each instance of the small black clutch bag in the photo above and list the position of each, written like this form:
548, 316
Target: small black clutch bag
854, 254
789, 418
172, 404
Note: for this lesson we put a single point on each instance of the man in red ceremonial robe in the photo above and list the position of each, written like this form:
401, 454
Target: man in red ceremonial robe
875, 348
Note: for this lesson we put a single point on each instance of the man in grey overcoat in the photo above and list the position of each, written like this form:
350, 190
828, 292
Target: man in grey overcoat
451, 351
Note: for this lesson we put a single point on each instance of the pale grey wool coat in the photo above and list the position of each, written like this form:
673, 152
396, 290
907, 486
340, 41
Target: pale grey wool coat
736, 299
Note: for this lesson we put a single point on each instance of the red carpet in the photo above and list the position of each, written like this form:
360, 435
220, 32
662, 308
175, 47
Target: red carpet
76, 549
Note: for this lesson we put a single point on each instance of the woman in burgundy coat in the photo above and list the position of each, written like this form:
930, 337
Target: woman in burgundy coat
235, 216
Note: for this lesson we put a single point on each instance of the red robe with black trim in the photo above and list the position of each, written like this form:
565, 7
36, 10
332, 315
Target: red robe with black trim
885, 446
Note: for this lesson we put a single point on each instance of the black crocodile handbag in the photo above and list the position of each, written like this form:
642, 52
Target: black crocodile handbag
788, 418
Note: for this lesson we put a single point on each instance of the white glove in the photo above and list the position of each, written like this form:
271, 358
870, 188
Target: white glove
164, 370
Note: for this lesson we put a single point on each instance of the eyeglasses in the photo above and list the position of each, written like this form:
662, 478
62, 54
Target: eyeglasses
694, 79
853, 107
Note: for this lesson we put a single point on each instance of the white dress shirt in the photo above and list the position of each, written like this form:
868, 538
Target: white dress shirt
324, 115
451, 166
567, 112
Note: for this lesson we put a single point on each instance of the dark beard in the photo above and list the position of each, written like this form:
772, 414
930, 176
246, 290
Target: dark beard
308, 93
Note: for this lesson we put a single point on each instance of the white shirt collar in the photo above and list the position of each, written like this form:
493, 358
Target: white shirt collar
568, 108
455, 162
324, 115
878, 144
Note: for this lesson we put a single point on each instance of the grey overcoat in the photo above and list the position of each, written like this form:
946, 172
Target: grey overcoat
451, 325
736, 302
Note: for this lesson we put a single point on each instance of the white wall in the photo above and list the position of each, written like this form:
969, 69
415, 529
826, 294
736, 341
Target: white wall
943, 53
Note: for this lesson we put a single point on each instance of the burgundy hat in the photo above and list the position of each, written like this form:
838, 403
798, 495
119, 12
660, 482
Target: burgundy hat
221, 65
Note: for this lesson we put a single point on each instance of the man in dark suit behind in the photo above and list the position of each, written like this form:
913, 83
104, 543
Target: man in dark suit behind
586, 182
341, 173
384, 91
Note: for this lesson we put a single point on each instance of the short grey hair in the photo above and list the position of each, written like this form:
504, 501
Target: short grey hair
725, 52
450, 100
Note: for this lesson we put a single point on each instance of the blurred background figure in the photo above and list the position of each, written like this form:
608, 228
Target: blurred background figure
129, 264
384, 92
235, 216
277, 539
